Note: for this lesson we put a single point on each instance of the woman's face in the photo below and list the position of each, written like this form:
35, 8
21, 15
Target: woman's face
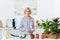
27, 12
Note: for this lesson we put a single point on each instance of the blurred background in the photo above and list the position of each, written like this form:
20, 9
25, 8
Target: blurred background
41, 9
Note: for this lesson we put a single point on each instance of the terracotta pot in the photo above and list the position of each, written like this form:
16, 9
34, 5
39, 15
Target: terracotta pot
46, 32
37, 36
31, 36
42, 36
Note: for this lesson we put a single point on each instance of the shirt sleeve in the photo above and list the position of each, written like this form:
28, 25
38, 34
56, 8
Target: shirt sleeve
33, 23
21, 28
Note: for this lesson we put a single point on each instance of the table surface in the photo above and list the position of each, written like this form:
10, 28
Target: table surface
16, 32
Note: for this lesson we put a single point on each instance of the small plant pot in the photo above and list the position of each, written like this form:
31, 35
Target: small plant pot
42, 36
37, 36
31, 36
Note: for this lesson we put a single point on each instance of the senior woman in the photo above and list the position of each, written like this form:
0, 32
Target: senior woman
27, 22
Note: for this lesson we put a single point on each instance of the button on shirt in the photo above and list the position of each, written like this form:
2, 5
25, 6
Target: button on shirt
26, 23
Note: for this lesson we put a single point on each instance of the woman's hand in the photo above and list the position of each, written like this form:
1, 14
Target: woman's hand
27, 30
33, 30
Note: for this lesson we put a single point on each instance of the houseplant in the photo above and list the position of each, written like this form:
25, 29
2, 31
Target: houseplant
50, 27
46, 25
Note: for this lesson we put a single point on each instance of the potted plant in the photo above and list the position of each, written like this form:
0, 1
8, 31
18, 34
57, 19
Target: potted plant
46, 26
50, 27
31, 36
37, 36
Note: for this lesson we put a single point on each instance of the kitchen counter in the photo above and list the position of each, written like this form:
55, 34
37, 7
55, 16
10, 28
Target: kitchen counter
16, 32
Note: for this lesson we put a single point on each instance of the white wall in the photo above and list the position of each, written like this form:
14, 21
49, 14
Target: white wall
56, 8
45, 9
6, 10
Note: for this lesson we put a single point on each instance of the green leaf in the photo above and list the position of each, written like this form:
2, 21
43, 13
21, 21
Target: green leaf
49, 25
